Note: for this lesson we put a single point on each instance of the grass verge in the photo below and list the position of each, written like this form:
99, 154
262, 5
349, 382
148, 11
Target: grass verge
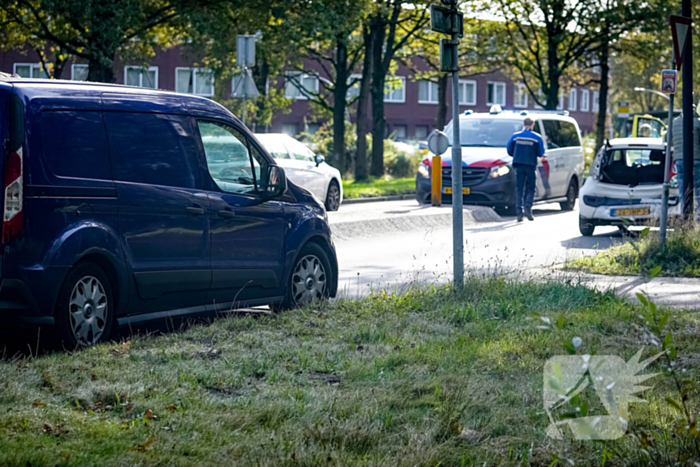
640, 256
379, 187
432, 377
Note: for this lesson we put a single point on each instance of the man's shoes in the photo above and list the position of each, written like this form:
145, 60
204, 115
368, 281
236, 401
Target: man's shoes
520, 217
528, 214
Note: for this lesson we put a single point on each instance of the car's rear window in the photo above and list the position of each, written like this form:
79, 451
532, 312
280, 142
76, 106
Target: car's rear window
75, 144
633, 166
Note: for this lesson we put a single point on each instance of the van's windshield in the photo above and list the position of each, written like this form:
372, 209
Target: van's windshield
633, 166
485, 132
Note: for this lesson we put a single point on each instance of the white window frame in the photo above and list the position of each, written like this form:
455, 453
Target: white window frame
585, 99
194, 79
78, 65
464, 82
403, 89
431, 85
31, 69
573, 98
560, 104
520, 91
596, 101
505, 92
150, 68
352, 77
304, 76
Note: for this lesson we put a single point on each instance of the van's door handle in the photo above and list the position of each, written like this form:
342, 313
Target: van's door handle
226, 213
194, 211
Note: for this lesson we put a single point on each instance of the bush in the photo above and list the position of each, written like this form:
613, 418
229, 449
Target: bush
322, 144
400, 163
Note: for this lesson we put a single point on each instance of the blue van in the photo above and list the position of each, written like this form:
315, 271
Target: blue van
122, 205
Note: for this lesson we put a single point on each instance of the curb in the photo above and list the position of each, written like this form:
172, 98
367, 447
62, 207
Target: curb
379, 198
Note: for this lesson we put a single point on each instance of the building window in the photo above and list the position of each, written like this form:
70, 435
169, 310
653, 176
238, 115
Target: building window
294, 80
399, 132
312, 128
596, 101
421, 132
141, 76
29, 70
289, 129
395, 89
467, 92
79, 72
521, 96
198, 81
427, 92
573, 98
585, 100
560, 105
496, 94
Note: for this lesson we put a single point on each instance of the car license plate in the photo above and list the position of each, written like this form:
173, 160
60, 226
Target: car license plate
630, 212
448, 190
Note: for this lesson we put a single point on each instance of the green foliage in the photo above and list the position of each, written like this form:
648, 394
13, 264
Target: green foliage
400, 163
643, 256
374, 187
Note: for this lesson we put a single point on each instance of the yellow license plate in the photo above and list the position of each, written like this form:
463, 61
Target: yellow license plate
630, 212
448, 190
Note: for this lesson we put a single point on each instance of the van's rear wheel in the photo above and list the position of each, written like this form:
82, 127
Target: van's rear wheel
571, 195
85, 307
585, 226
309, 279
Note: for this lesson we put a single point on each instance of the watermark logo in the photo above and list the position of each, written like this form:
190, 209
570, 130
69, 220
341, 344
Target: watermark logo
615, 382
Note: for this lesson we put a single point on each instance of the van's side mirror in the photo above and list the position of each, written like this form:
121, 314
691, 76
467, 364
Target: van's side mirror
276, 182
319, 160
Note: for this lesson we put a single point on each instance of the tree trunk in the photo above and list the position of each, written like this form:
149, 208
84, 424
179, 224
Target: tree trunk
377, 91
442, 101
101, 69
339, 102
604, 55
261, 73
362, 108
553, 74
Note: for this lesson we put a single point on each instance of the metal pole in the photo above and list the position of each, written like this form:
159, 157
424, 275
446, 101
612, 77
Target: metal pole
245, 90
667, 170
688, 178
457, 213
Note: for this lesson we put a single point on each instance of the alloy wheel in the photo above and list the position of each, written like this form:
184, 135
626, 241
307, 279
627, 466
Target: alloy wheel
87, 310
308, 280
333, 197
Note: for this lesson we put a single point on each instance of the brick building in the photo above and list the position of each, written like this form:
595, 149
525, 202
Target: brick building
410, 108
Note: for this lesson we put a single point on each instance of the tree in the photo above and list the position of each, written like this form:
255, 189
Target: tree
548, 37
391, 25
96, 30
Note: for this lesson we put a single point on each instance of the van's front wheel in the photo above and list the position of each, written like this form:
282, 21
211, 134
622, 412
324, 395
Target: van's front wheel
309, 279
85, 307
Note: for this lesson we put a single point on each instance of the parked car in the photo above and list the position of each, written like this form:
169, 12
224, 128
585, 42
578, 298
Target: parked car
122, 205
625, 185
487, 174
305, 168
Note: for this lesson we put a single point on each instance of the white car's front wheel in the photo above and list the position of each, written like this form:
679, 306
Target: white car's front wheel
333, 196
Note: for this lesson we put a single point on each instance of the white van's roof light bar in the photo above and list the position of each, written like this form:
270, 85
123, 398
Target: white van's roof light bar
495, 109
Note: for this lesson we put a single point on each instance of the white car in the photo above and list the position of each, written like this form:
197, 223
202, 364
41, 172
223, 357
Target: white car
625, 185
305, 168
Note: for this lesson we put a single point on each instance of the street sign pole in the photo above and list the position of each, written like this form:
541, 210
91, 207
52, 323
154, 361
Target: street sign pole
667, 165
457, 212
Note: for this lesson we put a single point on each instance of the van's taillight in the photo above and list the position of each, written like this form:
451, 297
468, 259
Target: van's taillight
13, 216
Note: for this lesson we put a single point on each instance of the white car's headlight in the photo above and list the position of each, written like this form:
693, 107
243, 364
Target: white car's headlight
499, 171
423, 170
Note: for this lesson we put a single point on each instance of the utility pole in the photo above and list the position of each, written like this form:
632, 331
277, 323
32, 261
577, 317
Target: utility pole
451, 21
667, 76
245, 57
688, 166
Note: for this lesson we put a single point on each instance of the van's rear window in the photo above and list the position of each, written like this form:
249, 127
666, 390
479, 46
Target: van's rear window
75, 144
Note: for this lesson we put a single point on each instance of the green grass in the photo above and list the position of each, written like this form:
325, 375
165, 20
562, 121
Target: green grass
680, 259
385, 381
379, 187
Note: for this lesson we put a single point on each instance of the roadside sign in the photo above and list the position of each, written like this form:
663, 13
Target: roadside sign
438, 142
669, 80
244, 86
245, 50
449, 59
446, 21
680, 31
623, 109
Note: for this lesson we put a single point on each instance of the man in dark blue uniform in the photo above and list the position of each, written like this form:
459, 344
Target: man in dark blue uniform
525, 147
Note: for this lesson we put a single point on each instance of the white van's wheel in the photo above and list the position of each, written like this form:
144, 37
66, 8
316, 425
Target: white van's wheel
585, 226
571, 195
85, 307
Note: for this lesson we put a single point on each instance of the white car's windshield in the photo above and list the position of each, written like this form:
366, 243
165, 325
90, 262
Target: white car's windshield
485, 132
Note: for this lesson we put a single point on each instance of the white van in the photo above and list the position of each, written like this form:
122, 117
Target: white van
487, 175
